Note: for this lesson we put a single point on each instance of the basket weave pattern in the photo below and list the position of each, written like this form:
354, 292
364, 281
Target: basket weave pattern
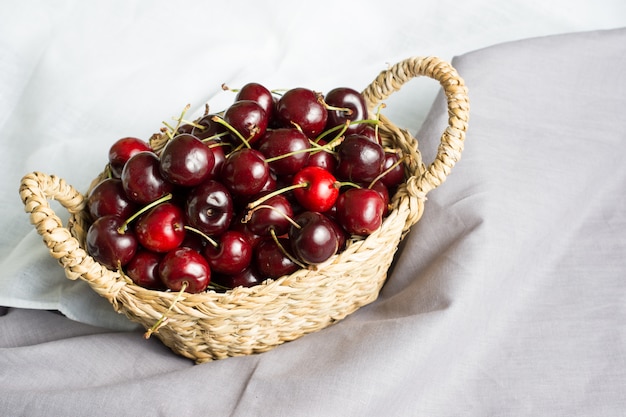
242, 321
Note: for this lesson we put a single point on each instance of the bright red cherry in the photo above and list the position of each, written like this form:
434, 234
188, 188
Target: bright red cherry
232, 255
321, 189
122, 150
360, 210
162, 228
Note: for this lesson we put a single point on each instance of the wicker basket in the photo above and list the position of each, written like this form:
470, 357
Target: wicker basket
244, 321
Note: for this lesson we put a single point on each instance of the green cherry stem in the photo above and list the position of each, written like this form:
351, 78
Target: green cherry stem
267, 206
122, 229
232, 129
266, 197
388, 170
284, 251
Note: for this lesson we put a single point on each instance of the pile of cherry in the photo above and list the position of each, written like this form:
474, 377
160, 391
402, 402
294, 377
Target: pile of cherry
274, 183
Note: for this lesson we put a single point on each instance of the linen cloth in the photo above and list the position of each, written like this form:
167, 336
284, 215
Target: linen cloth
508, 298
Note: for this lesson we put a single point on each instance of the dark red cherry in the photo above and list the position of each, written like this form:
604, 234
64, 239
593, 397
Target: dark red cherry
359, 159
186, 161
248, 118
271, 261
286, 147
108, 197
273, 214
303, 108
370, 132
360, 210
349, 99
143, 269
209, 208
108, 244
395, 175
258, 93
323, 159
122, 150
185, 266
162, 228
142, 179
314, 240
245, 172
207, 128
232, 255
249, 277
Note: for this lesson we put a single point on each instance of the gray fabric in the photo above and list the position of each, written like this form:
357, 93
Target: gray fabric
508, 297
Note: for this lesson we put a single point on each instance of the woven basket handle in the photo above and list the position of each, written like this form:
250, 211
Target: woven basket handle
452, 139
36, 189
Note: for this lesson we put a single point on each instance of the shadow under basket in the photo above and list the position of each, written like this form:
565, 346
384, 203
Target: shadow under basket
242, 321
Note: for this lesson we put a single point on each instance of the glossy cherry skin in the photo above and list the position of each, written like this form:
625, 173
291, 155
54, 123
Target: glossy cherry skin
142, 179
245, 172
359, 159
248, 118
185, 265
122, 150
108, 197
249, 277
270, 260
143, 269
186, 161
258, 93
360, 211
323, 159
281, 142
315, 240
321, 191
345, 98
232, 255
209, 208
273, 214
302, 107
395, 176
208, 128
162, 228
108, 245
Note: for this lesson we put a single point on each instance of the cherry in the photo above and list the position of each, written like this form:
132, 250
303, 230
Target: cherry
122, 150
313, 238
185, 268
109, 244
347, 105
286, 148
370, 132
394, 171
359, 159
258, 93
248, 118
108, 197
382, 189
217, 148
270, 258
206, 127
274, 214
232, 255
323, 159
143, 269
249, 277
321, 189
304, 109
162, 228
360, 210
186, 161
142, 179
209, 208
245, 172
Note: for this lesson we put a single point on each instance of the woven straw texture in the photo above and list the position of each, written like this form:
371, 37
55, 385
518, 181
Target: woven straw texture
243, 321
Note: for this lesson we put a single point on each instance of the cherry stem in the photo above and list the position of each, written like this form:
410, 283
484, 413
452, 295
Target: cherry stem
232, 129
341, 129
266, 197
339, 184
155, 328
122, 229
201, 233
388, 170
215, 136
267, 206
172, 130
284, 251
